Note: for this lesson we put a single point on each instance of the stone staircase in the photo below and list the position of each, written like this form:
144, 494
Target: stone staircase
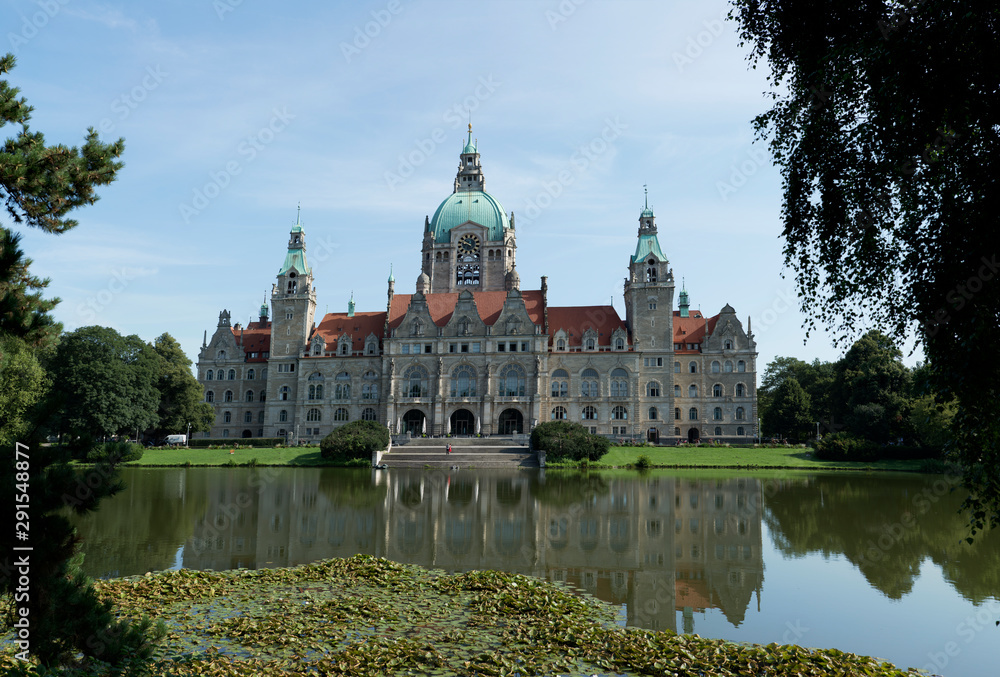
466, 452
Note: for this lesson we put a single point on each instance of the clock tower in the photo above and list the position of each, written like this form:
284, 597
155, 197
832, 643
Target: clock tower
469, 243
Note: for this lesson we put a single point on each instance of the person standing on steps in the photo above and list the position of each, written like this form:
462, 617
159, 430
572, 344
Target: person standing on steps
449, 448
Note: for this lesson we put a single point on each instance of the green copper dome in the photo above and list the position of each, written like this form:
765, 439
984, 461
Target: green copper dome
476, 206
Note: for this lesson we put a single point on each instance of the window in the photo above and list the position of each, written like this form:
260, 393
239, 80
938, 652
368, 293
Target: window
210, 396
717, 414
716, 367
741, 431
692, 390
591, 344
370, 348
283, 393
652, 389
652, 305
251, 373
693, 367
693, 414
209, 374
589, 413
619, 413
619, 343
225, 433
717, 390
677, 367
316, 391
677, 391
369, 391
653, 414
405, 349
369, 414
741, 366
512, 382
560, 388
345, 348
588, 386
728, 345
248, 417
342, 387
228, 396
249, 396
740, 390
227, 416
560, 345
232, 374
559, 414
677, 431
313, 415
340, 415
740, 414
415, 382
263, 394
282, 416
463, 381
718, 431
729, 366
619, 383
677, 413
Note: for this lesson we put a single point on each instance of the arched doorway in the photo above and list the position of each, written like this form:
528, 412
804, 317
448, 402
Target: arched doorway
463, 422
693, 435
653, 435
247, 433
413, 421
511, 422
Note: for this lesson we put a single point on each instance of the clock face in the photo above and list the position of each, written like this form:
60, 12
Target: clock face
468, 244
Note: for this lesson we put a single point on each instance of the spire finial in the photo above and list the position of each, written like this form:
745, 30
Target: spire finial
646, 191
298, 215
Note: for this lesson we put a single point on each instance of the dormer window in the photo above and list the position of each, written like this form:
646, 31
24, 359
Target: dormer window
651, 274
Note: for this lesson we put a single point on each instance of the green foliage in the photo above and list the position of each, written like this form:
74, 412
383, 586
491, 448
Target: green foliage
23, 312
116, 452
643, 462
884, 125
354, 440
816, 379
873, 388
788, 414
562, 440
22, 385
181, 397
931, 421
104, 383
844, 446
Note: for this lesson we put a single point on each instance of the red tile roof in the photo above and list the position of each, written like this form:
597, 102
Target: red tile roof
691, 329
488, 303
333, 325
256, 339
575, 320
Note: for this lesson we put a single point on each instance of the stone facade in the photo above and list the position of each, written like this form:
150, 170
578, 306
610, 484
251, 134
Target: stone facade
471, 352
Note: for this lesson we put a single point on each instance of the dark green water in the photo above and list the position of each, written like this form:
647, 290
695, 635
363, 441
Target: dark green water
874, 564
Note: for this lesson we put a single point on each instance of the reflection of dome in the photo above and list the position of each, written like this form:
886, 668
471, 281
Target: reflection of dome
476, 206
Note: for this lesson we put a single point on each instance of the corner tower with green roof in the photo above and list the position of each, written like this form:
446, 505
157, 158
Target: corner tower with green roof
649, 290
293, 299
469, 243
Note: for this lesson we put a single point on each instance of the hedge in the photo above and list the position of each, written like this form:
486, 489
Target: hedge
845, 447
122, 452
242, 441
562, 440
354, 440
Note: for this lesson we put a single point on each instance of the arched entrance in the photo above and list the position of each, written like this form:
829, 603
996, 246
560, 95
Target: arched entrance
653, 435
693, 435
511, 422
413, 421
463, 422
247, 433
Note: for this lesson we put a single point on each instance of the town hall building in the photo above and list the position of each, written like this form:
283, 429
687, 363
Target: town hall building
471, 351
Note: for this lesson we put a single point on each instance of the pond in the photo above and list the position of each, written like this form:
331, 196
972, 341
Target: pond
874, 563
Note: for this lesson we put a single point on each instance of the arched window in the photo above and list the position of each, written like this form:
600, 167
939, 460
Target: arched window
693, 367
729, 366
717, 414
677, 391
263, 394
559, 414
228, 397
692, 390
282, 416
249, 396
512, 382
342, 388
232, 374
370, 348
653, 414
677, 367
209, 374
717, 390
741, 390
619, 413
741, 366
619, 343
415, 382
221, 356
227, 416
591, 344
250, 374
248, 417
619, 383
283, 393
718, 431
560, 383
588, 384
345, 347
740, 413
716, 367
560, 345
210, 396
693, 414
293, 286
463, 381
677, 413
369, 414
313, 415
369, 391
653, 389
341, 414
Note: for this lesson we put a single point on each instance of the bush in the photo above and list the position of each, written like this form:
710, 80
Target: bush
354, 440
122, 452
643, 462
843, 446
562, 440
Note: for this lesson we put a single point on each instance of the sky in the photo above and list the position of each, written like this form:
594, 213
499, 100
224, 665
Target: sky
236, 113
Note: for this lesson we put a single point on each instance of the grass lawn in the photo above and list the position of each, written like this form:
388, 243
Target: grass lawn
731, 457
304, 456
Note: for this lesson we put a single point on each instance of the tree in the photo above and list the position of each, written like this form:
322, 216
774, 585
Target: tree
22, 385
788, 414
354, 440
105, 383
886, 132
873, 389
815, 377
181, 397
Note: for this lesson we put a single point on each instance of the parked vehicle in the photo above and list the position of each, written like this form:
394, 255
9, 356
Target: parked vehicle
175, 440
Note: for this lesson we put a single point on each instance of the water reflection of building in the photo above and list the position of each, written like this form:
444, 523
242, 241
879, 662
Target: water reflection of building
654, 545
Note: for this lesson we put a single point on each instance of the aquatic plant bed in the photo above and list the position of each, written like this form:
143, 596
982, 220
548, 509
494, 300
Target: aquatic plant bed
370, 616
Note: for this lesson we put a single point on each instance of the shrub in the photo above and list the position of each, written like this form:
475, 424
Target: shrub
354, 440
562, 440
843, 446
123, 452
643, 462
